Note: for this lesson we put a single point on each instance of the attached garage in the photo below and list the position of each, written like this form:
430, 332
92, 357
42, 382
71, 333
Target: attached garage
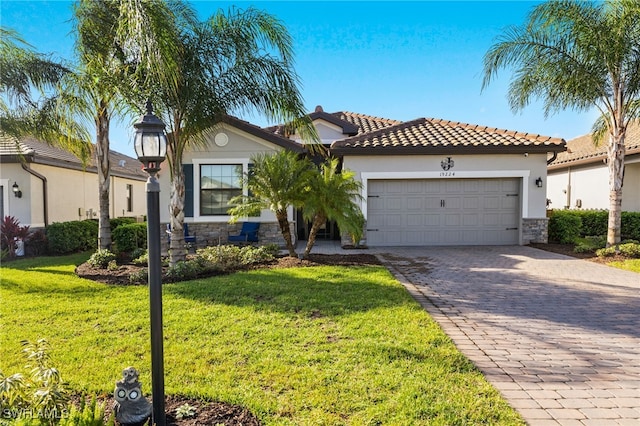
410, 212
435, 182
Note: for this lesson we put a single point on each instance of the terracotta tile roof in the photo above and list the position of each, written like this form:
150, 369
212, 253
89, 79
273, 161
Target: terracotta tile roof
429, 135
35, 151
365, 123
352, 123
582, 150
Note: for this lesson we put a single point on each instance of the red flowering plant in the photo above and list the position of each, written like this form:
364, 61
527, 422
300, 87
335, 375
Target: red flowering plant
10, 231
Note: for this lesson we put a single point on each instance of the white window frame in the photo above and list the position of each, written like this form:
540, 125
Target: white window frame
197, 217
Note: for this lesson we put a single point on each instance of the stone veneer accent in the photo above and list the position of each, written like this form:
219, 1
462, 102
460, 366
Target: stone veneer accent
212, 234
535, 230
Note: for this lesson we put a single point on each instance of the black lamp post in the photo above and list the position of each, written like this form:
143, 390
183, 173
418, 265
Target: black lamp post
150, 144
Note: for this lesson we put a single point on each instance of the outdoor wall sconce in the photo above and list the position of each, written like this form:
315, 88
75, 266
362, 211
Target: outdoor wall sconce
16, 190
539, 182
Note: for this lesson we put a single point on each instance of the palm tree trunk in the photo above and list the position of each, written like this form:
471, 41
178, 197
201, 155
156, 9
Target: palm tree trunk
318, 221
177, 249
104, 173
283, 222
615, 157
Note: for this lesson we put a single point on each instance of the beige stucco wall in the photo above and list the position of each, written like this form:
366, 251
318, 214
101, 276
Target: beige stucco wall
588, 185
239, 149
68, 193
528, 168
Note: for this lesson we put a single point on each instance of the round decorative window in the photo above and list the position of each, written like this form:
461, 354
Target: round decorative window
221, 139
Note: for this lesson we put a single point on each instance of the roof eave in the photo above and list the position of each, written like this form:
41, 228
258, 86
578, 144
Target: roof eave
433, 150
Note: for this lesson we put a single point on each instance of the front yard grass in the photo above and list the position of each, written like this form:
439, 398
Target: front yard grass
300, 346
628, 264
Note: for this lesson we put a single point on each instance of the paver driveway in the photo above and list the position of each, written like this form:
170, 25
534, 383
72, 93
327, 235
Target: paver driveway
559, 337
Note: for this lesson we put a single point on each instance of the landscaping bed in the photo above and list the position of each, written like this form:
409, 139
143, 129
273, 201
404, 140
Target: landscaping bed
121, 275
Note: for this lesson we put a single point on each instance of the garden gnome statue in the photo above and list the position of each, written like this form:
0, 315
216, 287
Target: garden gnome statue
131, 407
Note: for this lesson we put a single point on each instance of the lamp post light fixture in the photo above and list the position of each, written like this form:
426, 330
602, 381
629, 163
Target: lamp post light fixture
16, 190
150, 144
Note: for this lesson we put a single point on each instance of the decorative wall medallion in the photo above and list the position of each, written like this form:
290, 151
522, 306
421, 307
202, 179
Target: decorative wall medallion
221, 139
447, 164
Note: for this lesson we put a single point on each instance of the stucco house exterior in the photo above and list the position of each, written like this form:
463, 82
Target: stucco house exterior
54, 186
579, 177
425, 182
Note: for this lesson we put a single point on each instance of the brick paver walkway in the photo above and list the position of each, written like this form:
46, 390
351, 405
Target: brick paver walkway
559, 337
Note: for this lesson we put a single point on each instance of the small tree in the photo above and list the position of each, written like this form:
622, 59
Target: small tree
275, 182
333, 195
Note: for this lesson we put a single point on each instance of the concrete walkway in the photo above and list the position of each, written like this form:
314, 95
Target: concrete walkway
559, 337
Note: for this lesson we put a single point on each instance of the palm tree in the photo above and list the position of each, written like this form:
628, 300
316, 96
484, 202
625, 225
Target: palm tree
27, 102
333, 195
234, 62
276, 182
120, 44
579, 54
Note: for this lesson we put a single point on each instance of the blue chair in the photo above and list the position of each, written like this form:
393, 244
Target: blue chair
248, 233
187, 238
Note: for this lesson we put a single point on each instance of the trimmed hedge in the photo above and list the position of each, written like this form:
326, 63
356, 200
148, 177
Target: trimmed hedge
565, 226
129, 237
118, 221
71, 237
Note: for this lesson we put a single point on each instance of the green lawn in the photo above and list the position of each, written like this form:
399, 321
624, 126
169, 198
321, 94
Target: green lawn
303, 346
629, 265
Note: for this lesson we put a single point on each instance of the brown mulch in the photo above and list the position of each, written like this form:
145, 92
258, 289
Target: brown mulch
121, 275
567, 250
214, 413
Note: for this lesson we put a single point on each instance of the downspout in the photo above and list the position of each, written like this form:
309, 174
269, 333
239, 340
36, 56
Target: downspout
553, 158
45, 199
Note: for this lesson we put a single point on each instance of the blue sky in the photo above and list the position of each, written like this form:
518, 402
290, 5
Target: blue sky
399, 60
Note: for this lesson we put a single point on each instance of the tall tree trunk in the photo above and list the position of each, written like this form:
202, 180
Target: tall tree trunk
318, 221
283, 222
104, 173
615, 161
177, 249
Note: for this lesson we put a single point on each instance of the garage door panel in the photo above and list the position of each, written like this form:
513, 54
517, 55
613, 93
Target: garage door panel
443, 212
472, 220
415, 203
415, 221
431, 220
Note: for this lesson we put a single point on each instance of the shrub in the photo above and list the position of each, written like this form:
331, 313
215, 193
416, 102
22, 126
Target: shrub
129, 237
564, 227
71, 237
594, 222
140, 256
606, 252
118, 221
630, 227
220, 258
42, 391
101, 258
10, 229
36, 243
91, 414
251, 255
139, 277
182, 271
630, 249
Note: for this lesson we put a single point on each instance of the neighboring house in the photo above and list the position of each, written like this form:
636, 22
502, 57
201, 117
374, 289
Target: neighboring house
579, 177
54, 186
426, 181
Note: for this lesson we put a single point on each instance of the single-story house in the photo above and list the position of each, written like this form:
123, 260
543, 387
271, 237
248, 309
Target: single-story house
579, 177
41, 184
425, 182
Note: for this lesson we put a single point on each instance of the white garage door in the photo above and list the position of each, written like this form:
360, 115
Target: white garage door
443, 212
